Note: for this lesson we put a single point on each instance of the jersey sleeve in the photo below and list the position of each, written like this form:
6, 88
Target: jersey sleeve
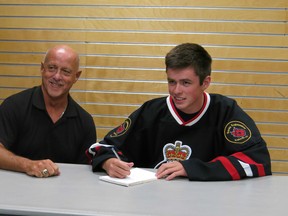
245, 153
99, 152
252, 162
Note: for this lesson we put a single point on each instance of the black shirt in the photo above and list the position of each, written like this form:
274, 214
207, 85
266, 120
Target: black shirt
27, 130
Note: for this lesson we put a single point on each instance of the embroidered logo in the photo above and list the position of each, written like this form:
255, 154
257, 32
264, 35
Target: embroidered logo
237, 132
122, 129
176, 152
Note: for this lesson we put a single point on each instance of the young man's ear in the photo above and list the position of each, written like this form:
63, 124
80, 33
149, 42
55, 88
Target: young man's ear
206, 82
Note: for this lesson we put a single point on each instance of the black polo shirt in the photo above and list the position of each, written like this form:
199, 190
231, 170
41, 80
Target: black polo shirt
27, 130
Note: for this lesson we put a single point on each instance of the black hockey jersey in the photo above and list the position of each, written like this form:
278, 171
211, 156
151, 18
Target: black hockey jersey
221, 142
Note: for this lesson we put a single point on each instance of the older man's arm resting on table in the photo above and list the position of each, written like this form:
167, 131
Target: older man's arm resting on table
10, 161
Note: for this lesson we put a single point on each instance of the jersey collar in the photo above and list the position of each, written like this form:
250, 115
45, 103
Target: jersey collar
196, 118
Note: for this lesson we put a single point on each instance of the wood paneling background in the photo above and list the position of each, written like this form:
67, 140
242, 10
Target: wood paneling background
122, 45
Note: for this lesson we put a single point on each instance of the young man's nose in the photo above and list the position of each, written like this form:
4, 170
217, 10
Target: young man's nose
177, 88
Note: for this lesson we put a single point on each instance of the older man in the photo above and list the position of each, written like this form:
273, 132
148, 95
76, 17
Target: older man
43, 125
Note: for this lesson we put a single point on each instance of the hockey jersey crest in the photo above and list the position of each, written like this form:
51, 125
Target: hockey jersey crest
175, 152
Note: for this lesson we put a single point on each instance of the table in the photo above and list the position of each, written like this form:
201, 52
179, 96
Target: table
78, 191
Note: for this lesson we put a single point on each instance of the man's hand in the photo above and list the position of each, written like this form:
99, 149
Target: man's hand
171, 170
41, 168
38, 168
117, 168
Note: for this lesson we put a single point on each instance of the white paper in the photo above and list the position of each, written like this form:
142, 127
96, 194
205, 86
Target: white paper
137, 176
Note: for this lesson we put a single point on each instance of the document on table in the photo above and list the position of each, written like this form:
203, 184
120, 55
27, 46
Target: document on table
137, 176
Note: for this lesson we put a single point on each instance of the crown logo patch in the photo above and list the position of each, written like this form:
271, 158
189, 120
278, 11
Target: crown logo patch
176, 152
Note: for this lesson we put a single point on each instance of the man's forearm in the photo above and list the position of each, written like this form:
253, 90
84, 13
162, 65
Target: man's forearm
10, 161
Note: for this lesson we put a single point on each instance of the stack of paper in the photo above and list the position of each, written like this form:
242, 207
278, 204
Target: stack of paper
137, 176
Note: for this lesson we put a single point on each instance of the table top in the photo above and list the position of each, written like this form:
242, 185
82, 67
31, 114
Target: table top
78, 191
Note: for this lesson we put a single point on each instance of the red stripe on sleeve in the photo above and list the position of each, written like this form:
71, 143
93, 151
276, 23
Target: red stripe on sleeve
229, 167
241, 156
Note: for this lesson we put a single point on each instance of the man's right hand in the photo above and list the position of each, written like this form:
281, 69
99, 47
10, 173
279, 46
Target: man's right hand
41, 168
38, 168
117, 168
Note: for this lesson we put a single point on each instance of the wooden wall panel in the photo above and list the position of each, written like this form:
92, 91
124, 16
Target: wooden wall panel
122, 45
144, 25
196, 3
230, 39
269, 53
140, 12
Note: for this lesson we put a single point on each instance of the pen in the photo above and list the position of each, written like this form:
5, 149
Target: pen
116, 154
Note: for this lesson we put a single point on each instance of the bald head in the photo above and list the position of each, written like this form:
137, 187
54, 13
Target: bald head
63, 50
60, 70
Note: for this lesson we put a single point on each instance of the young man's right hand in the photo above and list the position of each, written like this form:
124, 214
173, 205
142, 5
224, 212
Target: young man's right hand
117, 168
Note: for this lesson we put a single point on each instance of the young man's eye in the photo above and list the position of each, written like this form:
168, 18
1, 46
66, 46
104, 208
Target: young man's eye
186, 83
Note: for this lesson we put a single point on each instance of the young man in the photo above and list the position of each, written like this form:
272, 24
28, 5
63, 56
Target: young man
190, 133
44, 125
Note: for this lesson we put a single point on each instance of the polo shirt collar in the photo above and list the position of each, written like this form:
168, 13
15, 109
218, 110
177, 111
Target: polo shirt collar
38, 101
